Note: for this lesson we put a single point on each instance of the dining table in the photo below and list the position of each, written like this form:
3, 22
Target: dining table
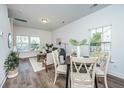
67, 62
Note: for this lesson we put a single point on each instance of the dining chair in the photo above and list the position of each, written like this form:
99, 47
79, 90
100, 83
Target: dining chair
59, 68
82, 72
102, 68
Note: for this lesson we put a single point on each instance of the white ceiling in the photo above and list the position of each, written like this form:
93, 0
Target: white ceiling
56, 13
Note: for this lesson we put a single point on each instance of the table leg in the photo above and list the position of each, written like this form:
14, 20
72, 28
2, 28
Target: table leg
67, 75
96, 82
46, 68
46, 65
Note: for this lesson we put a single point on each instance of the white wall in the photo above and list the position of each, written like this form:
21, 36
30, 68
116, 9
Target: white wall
45, 36
4, 50
111, 15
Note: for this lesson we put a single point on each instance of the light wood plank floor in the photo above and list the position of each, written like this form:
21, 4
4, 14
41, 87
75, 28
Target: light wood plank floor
27, 78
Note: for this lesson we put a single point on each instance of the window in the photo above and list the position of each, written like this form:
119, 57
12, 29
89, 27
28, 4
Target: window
106, 38
22, 43
35, 43
26, 43
100, 38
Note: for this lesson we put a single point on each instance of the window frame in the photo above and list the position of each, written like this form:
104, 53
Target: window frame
102, 33
39, 41
29, 42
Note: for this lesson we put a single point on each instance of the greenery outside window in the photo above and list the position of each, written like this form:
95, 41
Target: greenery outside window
35, 43
26, 43
100, 39
22, 43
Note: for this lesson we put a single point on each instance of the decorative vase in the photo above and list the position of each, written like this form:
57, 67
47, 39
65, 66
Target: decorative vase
78, 51
12, 73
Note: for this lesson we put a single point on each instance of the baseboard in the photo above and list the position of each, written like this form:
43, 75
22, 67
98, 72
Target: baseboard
117, 75
3, 81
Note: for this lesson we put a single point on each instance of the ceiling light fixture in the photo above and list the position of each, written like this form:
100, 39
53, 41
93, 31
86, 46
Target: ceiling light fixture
44, 20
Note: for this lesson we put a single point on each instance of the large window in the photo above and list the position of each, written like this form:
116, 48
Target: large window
22, 43
35, 43
26, 43
100, 39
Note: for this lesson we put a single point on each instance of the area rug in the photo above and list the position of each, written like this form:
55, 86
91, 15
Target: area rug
37, 66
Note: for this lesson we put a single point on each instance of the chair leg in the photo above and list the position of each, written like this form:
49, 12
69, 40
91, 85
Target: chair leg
105, 80
96, 82
55, 78
69, 82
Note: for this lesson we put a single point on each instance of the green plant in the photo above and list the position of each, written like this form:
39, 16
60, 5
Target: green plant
96, 39
12, 61
49, 46
35, 46
77, 43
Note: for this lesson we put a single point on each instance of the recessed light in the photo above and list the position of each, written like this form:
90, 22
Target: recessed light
44, 20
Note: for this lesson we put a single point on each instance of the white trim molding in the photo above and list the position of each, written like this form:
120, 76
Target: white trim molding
3, 81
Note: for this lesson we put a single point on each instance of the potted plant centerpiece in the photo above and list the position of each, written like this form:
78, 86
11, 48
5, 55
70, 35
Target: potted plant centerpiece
78, 44
11, 64
49, 47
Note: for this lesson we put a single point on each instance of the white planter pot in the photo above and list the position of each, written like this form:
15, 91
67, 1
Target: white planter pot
12, 74
78, 51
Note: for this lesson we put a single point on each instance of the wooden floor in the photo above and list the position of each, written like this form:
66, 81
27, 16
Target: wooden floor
27, 78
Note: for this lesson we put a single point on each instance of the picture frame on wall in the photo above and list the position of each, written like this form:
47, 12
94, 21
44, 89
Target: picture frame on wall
10, 41
58, 41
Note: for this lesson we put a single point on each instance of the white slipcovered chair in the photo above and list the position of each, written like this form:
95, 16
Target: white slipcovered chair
83, 72
102, 68
59, 69
49, 59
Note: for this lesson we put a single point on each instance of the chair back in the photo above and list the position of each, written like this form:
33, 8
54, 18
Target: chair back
83, 68
104, 59
55, 55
